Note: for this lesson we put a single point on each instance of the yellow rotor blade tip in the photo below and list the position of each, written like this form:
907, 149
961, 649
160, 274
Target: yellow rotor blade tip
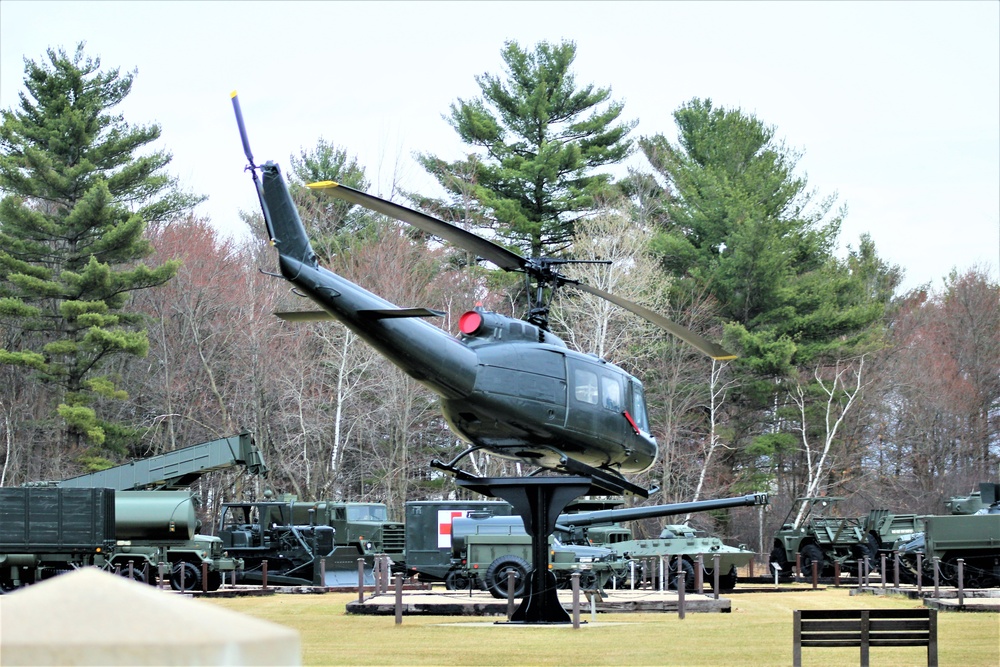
232, 94
323, 185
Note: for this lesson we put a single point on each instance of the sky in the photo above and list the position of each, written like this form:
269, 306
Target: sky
895, 106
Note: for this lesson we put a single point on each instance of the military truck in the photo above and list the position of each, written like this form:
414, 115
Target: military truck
428, 544
309, 542
48, 530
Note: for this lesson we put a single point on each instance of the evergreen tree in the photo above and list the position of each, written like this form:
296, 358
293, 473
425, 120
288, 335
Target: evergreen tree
741, 226
539, 137
78, 192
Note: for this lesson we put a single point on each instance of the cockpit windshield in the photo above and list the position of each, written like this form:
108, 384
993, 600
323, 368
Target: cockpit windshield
639, 408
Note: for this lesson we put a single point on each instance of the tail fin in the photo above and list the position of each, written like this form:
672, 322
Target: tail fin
288, 234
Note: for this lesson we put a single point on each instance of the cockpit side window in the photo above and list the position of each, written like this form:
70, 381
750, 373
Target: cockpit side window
585, 385
611, 390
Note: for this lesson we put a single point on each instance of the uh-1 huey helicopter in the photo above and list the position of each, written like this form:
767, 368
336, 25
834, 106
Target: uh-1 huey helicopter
507, 386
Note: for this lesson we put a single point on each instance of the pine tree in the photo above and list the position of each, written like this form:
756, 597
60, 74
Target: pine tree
539, 138
79, 189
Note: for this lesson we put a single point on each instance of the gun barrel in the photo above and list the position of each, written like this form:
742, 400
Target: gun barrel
598, 517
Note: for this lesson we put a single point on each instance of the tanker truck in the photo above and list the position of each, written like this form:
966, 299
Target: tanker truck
46, 530
594, 542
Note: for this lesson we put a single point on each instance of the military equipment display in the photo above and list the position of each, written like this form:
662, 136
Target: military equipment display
309, 542
481, 544
820, 538
177, 469
973, 538
429, 541
48, 530
506, 386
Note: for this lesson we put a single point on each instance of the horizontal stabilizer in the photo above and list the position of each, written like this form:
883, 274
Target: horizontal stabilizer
383, 313
305, 316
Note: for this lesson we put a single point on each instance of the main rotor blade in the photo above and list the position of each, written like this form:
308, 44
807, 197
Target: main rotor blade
505, 259
708, 347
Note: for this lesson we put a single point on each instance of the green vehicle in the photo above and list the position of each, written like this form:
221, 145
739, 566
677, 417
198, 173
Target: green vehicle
484, 550
688, 543
593, 542
973, 538
315, 543
48, 530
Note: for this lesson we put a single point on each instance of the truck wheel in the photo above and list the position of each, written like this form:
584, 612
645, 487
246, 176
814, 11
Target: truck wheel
811, 554
496, 576
192, 576
137, 572
214, 580
456, 580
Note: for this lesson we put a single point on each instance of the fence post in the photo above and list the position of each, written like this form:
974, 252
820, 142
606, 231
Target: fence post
681, 585
575, 581
882, 572
961, 581
263, 574
836, 573
510, 593
361, 580
861, 571
204, 577
937, 581
699, 576
815, 574
716, 558
920, 573
399, 599
895, 575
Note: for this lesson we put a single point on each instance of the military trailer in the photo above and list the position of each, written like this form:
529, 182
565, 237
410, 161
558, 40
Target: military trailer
46, 531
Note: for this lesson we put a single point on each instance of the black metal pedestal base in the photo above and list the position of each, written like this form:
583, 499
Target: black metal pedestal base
538, 501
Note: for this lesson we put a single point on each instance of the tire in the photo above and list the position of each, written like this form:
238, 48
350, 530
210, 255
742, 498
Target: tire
496, 576
688, 579
456, 580
727, 581
192, 576
137, 573
214, 580
811, 554
778, 557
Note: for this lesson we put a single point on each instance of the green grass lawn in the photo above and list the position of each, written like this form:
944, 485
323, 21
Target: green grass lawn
758, 632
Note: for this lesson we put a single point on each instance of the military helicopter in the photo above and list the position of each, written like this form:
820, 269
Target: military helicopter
507, 386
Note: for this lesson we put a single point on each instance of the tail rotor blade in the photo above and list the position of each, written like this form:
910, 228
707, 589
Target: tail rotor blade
253, 168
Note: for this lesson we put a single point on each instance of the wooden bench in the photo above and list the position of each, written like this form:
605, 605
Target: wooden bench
864, 628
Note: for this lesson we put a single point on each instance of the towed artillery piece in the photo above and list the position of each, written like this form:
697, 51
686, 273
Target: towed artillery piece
593, 543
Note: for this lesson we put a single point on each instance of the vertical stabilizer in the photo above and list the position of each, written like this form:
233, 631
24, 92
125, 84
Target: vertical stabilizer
288, 233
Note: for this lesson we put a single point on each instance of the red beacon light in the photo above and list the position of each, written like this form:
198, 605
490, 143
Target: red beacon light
470, 322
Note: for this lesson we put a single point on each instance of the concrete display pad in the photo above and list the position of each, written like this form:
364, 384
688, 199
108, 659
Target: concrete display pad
90, 617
